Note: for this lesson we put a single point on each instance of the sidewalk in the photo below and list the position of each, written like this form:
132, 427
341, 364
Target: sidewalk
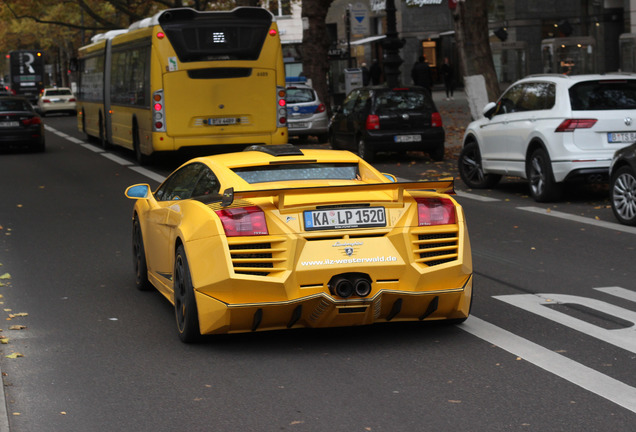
455, 117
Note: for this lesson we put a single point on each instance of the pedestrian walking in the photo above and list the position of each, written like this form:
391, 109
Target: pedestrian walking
449, 78
421, 74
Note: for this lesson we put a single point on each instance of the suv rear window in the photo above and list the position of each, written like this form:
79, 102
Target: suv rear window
603, 95
402, 100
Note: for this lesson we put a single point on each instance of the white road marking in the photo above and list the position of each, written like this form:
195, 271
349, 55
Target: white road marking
475, 197
93, 148
117, 159
619, 292
148, 173
581, 219
576, 373
624, 338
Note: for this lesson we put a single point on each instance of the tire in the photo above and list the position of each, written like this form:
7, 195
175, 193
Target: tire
543, 188
139, 258
332, 141
185, 305
323, 138
437, 154
623, 195
471, 170
103, 142
365, 151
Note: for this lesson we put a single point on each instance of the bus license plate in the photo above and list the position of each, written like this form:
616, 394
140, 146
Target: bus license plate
222, 121
345, 218
621, 137
408, 138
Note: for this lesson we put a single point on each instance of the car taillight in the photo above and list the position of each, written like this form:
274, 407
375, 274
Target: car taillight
46, 101
32, 121
568, 125
320, 108
436, 120
71, 100
435, 211
373, 122
243, 221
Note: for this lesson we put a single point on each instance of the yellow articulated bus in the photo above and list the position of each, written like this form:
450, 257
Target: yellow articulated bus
184, 78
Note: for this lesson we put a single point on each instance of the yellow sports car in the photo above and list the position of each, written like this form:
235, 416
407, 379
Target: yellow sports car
276, 237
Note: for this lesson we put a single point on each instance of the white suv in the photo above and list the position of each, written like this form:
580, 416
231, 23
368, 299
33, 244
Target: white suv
550, 129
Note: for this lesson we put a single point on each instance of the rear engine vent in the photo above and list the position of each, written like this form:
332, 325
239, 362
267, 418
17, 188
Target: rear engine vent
437, 248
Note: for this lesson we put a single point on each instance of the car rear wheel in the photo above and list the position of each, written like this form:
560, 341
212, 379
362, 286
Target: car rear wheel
139, 257
471, 171
437, 154
623, 195
365, 151
543, 188
185, 305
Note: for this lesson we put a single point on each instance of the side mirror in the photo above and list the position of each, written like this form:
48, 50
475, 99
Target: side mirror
489, 109
140, 191
390, 177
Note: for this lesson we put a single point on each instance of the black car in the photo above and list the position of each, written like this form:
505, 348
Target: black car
623, 185
20, 125
375, 119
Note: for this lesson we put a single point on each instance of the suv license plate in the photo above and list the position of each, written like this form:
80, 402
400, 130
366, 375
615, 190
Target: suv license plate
345, 218
408, 138
621, 137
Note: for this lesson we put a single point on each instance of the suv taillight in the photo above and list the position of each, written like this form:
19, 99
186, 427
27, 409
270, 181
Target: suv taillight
243, 221
436, 120
373, 122
568, 125
435, 211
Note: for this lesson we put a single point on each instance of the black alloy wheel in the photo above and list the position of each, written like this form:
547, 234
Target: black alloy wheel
471, 171
139, 258
543, 188
185, 305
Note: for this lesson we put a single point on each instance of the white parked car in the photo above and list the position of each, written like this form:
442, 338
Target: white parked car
551, 129
57, 99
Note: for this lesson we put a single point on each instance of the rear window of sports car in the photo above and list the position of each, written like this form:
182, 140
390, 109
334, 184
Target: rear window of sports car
293, 172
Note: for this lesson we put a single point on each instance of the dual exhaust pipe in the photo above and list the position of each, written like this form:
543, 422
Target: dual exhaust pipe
347, 284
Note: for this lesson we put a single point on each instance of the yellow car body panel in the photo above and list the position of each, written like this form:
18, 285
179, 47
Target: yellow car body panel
282, 279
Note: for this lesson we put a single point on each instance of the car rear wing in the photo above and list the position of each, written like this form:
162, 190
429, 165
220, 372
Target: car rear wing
281, 196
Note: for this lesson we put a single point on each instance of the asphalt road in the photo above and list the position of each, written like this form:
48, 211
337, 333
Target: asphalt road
551, 344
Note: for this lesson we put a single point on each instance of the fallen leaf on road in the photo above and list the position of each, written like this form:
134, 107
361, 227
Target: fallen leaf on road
5, 276
14, 355
17, 327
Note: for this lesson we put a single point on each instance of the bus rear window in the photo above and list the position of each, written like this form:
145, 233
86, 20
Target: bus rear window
197, 36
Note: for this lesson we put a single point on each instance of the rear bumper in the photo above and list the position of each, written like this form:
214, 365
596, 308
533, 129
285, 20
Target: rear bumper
323, 310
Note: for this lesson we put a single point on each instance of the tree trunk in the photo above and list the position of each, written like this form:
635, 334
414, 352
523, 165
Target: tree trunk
316, 46
471, 35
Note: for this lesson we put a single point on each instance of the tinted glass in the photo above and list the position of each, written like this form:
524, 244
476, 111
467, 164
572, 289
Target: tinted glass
180, 185
299, 95
14, 105
508, 102
536, 96
57, 92
311, 171
196, 36
393, 101
603, 95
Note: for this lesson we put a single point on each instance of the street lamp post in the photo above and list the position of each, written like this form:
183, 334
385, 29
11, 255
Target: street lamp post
392, 45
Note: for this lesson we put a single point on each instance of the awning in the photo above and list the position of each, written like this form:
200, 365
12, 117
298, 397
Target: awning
367, 40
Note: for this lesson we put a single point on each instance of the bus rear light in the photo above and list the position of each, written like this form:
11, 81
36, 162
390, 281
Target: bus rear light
159, 112
273, 32
435, 211
282, 102
158, 125
281, 114
161, 35
243, 221
158, 107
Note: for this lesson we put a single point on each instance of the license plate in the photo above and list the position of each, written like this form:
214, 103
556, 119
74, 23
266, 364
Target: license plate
222, 121
408, 138
621, 137
8, 124
345, 218
297, 125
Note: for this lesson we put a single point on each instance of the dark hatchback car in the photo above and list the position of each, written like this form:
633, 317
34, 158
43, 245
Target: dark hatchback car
20, 125
376, 119
623, 185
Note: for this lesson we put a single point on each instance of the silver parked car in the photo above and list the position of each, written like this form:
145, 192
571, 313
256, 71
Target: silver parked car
306, 114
